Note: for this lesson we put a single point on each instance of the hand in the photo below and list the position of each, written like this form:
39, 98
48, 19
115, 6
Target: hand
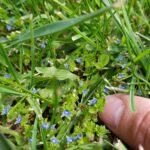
132, 127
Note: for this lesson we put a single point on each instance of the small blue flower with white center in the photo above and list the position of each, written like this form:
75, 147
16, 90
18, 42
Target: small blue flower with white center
42, 45
122, 75
121, 58
30, 140
80, 83
18, 120
54, 140
9, 27
93, 101
124, 65
79, 60
66, 113
53, 126
123, 86
69, 140
6, 110
105, 90
78, 136
35, 91
67, 66
45, 126
7, 76
118, 41
85, 92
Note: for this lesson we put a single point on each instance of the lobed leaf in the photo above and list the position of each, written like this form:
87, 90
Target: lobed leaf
59, 74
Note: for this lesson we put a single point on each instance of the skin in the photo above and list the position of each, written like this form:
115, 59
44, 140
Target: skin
132, 127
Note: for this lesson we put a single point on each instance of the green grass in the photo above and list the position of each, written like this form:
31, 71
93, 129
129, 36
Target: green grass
58, 56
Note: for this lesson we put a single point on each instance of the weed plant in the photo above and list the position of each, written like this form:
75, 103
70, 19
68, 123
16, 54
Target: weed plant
59, 59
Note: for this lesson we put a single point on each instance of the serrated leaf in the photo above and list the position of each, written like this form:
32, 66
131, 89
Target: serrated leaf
103, 60
59, 74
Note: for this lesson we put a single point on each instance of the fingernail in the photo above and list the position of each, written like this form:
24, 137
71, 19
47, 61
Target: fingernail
113, 111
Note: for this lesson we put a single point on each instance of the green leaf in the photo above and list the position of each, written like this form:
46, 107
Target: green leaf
34, 134
8, 131
59, 25
95, 146
102, 61
132, 90
59, 74
5, 89
46, 93
8, 62
43, 135
4, 143
36, 106
2, 61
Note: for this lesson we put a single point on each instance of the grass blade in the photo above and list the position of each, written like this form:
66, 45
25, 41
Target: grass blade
32, 54
43, 134
6, 130
34, 104
9, 90
59, 25
132, 101
141, 55
34, 134
7, 60
4, 143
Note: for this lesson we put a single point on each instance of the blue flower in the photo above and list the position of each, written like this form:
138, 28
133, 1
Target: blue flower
35, 91
79, 60
66, 113
123, 86
122, 75
78, 136
121, 58
69, 140
80, 83
124, 65
43, 45
105, 90
45, 125
53, 126
6, 110
118, 41
67, 66
93, 101
7, 76
30, 140
8, 27
85, 92
54, 140
18, 120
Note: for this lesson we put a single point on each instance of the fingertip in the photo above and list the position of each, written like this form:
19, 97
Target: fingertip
128, 125
113, 110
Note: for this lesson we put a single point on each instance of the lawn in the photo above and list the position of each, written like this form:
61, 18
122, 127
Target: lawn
59, 59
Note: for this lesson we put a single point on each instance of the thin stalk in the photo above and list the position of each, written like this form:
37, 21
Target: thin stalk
24, 89
21, 60
132, 91
34, 134
7, 60
32, 53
